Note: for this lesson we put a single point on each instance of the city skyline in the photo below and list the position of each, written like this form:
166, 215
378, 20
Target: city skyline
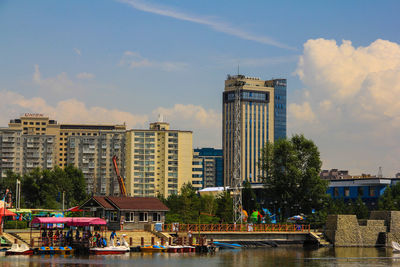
128, 61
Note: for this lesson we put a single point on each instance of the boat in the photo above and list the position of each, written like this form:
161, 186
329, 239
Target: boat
154, 248
227, 245
110, 250
175, 249
22, 249
395, 246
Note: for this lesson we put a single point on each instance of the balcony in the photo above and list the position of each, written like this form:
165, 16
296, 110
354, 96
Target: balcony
88, 151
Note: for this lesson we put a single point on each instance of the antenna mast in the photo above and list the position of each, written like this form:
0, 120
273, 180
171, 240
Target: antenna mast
237, 152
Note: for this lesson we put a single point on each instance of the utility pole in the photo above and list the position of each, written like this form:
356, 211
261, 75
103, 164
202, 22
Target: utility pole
63, 198
237, 152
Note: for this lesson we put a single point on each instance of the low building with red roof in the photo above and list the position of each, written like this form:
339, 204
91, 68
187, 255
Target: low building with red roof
128, 213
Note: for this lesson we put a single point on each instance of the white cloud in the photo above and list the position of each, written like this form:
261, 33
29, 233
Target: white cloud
205, 124
85, 76
66, 111
302, 112
58, 85
77, 51
354, 93
135, 60
207, 21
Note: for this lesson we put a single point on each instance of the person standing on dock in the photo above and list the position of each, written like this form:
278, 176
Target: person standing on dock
112, 236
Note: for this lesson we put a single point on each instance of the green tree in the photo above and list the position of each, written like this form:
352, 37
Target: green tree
387, 200
225, 207
249, 198
292, 168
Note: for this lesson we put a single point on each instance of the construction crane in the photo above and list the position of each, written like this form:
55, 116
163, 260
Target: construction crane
121, 183
237, 152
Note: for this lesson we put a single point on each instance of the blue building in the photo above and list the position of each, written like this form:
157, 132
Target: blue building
279, 108
368, 189
213, 166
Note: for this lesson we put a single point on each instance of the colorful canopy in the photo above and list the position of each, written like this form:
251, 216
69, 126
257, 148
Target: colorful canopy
71, 221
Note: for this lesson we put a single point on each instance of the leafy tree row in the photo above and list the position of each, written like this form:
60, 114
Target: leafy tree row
189, 207
43, 188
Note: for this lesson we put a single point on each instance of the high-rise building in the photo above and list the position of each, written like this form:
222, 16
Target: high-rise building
212, 166
197, 171
158, 160
23, 153
41, 142
263, 119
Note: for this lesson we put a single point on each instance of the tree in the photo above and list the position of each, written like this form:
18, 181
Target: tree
249, 198
44, 188
225, 207
291, 168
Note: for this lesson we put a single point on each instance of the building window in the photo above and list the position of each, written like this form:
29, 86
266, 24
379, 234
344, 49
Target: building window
129, 216
113, 216
371, 191
336, 191
360, 191
143, 217
156, 217
346, 191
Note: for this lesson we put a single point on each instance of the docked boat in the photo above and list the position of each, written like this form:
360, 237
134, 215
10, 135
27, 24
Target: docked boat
22, 249
396, 247
110, 250
227, 245
154, 248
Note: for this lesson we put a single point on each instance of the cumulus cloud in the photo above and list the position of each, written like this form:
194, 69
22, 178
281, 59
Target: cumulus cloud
77, 51
67, 111
205, 124
135, 60
85, 76
302, 112
354, 93
59, 85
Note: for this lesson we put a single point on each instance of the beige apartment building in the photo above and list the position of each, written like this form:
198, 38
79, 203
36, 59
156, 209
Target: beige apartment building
34, 140
158, 160
197, 171
263, 111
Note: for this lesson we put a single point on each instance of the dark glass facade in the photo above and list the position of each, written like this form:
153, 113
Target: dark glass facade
218, 169
280, 109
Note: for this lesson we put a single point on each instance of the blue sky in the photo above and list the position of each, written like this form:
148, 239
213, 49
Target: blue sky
127, 61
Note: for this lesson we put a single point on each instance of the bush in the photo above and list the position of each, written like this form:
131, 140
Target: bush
16, 225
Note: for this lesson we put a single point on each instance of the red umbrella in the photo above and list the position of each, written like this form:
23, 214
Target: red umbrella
6, 212
74, 209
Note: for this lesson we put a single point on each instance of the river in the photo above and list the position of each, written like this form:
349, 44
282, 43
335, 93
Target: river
282, 256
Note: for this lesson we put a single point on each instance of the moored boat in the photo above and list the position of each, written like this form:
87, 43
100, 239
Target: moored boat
110, 250
154, 248
395, 246
22, 249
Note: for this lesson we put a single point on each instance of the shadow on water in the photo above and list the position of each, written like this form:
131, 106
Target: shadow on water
282, 256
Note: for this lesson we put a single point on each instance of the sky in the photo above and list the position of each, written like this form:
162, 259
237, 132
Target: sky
127, 61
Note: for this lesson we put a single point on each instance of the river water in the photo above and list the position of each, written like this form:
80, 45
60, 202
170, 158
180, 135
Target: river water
282, 256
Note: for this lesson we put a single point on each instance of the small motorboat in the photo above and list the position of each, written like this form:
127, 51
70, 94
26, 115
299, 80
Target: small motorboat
396, 247
22, 249
154, 248
110, 250
227, 245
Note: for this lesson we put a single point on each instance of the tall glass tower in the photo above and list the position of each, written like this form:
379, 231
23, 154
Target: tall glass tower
263, 118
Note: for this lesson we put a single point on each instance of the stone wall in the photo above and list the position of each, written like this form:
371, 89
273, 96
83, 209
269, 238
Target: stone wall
381, 229
346, 230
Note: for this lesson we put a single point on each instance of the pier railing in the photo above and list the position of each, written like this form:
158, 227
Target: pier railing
175, 227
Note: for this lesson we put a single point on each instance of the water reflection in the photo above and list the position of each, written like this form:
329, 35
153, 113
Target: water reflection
282, 256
